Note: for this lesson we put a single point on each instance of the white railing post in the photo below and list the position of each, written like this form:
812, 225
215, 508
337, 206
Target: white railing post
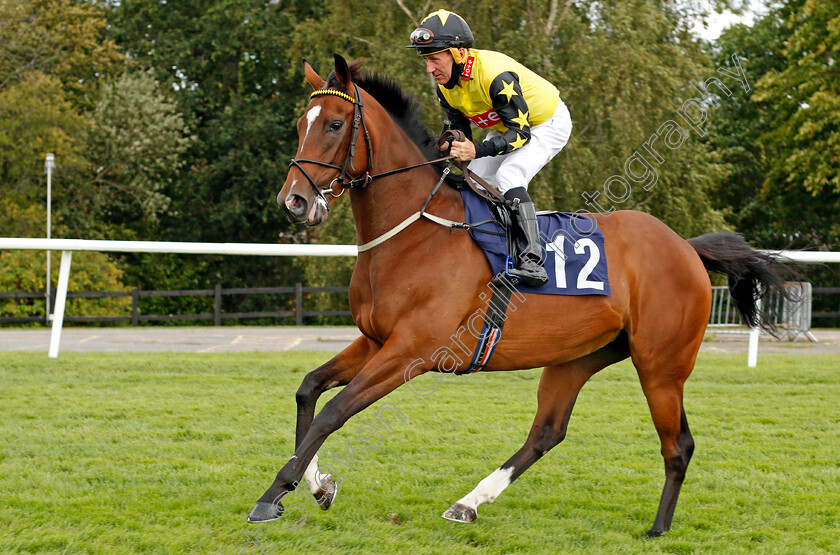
752, 350
752, 354
60, 300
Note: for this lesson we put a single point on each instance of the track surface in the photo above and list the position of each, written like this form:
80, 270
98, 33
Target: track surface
244, 339
195, 340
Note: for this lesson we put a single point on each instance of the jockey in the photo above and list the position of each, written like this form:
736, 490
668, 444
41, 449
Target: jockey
527, 122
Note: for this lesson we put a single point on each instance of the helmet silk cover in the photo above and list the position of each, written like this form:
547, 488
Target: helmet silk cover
439, 31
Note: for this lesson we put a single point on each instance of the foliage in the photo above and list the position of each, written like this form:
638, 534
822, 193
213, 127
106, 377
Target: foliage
90, 271
741, 120
226, 62
628, 67
755, 133
136, 142
20, 222
64, 38
36, 118
806, 95
803, 142
170, 451
778, 147
25, 271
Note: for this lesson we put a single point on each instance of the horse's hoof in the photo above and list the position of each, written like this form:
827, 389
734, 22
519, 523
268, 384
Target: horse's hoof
326, 493
654, 533
265, 512
460, 513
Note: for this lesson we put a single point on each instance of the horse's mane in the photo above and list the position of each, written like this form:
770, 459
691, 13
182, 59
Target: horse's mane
401, 106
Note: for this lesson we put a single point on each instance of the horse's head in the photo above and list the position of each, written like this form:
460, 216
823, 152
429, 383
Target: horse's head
330, 155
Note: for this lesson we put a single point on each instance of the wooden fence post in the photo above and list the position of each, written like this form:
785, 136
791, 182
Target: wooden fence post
217, 309
298, 304
135, 307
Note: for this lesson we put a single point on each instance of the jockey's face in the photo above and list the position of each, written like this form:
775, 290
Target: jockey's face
439, 65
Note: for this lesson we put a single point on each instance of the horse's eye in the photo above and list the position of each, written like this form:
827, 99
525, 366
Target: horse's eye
336, 125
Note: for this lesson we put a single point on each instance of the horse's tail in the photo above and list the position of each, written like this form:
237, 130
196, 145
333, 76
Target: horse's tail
753, 275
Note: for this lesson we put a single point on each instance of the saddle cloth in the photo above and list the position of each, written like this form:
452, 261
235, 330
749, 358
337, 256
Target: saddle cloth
573, 249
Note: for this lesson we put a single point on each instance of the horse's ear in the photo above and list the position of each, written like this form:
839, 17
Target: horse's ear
312, 76
342, 72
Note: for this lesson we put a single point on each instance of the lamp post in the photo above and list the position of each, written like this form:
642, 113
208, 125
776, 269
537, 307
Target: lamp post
49, 166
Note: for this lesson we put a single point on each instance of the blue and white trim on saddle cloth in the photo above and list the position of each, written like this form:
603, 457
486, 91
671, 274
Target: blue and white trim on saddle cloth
573, 244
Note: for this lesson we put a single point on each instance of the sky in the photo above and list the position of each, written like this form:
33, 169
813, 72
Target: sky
718, 22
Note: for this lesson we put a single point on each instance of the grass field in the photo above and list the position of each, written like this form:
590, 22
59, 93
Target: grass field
167, 453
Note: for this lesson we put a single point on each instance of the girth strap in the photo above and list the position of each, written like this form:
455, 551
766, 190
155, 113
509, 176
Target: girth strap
493, 323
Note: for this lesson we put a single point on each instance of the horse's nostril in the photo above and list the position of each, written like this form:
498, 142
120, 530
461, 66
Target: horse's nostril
296, 204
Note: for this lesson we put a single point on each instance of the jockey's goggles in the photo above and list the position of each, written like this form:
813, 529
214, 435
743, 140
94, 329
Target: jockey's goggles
422, 36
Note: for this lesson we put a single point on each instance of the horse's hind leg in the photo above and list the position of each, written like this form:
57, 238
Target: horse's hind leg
338, 371
559, 388
666, 407
662, 377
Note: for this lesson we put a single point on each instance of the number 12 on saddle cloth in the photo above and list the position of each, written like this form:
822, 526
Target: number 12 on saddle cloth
573, 248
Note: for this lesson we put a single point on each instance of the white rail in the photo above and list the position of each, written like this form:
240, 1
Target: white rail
258, 249
807, 256
67, 246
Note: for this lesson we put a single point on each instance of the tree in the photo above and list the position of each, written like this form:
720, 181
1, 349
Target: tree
64, 38
803, 145
36, 118
225, 61
739, 124
136, 145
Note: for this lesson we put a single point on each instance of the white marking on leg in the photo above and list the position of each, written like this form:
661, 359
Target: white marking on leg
312, 475
488, 489
311, 115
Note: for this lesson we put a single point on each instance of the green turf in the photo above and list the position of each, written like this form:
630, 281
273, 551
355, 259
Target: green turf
167, 453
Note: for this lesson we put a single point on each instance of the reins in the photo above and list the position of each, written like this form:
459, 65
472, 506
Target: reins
346, 181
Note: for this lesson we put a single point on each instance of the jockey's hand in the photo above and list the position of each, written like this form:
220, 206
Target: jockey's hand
463, 151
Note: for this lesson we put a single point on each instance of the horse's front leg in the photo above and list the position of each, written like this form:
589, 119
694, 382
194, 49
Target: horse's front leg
338, 371
380, 376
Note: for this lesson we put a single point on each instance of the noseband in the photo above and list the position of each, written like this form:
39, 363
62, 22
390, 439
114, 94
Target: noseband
344, 179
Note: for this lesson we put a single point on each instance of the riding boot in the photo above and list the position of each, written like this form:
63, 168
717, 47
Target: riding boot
529, 267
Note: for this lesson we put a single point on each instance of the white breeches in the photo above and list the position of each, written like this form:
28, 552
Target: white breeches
517, 168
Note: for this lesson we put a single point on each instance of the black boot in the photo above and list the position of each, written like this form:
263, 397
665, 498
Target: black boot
529, 264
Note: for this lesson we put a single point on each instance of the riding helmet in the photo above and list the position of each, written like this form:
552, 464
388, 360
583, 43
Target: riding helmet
441, 30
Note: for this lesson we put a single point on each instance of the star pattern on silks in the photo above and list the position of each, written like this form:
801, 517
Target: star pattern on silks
520, 140
507, 90
522, 120
442, 14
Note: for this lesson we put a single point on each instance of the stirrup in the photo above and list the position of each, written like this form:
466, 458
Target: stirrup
531, 278
514, 279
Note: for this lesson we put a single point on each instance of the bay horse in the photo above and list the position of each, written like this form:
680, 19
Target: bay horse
416, 282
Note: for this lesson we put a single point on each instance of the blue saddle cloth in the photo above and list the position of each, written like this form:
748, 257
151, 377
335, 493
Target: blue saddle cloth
573, 249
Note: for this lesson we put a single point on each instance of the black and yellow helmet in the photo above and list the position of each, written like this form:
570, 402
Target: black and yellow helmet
441, 30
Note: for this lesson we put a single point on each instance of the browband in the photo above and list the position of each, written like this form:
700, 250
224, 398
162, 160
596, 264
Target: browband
334, 92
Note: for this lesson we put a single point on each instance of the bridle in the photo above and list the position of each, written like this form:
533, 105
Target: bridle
344, 179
